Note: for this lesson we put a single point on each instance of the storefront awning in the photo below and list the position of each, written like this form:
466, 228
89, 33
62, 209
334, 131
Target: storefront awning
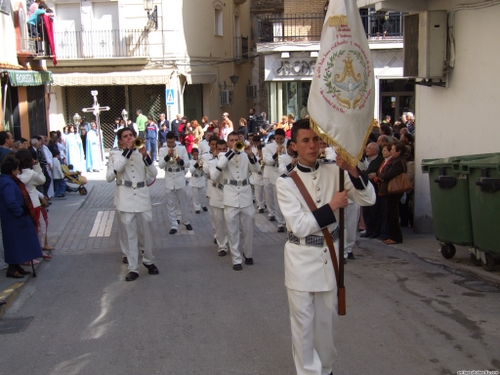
201, 78
28, 77
144, 77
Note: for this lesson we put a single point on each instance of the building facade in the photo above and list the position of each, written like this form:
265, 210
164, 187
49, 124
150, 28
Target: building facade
134, 53
24, 78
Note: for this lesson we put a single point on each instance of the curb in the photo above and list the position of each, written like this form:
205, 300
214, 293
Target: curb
9, 295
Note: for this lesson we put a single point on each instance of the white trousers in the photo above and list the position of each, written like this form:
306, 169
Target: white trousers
259, 196
236, 218
220, 228
199, 197
312, 319
351, 213
177, 198
121, 236
131, 221
272, 203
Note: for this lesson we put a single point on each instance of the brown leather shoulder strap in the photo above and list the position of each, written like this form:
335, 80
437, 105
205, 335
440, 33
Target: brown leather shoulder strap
310, 203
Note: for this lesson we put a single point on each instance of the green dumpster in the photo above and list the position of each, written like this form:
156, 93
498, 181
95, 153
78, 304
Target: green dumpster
451, 213
484, 192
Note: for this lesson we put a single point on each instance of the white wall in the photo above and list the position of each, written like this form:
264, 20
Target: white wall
460, 119
8, 50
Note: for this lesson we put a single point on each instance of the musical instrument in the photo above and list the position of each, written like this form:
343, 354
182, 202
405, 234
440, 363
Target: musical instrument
281, 150
200, 164
239, 146
174, 156
139, 143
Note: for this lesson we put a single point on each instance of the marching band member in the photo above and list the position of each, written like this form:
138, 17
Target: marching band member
197, 183
287, 161
205, 158
271, 174
309, 275
174, 159
133, 166
258, 181
217, 199
239, 212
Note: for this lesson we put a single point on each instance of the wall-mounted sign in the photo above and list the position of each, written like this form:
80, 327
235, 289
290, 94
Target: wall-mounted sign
289, 69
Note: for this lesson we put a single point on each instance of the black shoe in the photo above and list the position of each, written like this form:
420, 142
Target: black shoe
237, 267
222, 253
215, 240
131, 276
197, 212
261, 210
172, 231
272, 218
152, 269
178, 221
375, 236
17, 275
350, 256
249, 261
188, 226
281, 229
2, 302
21, 270
204, 209
125, 260
366, 235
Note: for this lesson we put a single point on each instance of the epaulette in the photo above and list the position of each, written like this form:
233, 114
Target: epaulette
327, 161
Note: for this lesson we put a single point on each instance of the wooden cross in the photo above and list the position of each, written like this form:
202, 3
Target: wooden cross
96, 110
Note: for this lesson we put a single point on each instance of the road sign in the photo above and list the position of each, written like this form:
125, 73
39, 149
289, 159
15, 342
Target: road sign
170, 96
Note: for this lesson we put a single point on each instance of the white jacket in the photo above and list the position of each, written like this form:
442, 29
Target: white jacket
174, 171
32, 178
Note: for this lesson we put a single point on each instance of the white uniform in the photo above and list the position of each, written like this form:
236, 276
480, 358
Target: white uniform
271, 174
198, 185
285, 164
258, 185
239, 211
203, 147
217, 204
309, 275
206, 158
133, 201
175, 184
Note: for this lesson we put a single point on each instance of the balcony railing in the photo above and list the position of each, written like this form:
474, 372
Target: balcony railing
101, 44
35, 42
241, 47
307, 27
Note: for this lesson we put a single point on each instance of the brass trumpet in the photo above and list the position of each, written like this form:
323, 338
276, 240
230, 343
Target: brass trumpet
281, 150
173, 159
139, 143
239, 146
200, 164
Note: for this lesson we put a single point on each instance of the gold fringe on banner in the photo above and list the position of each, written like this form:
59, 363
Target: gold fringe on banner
338, 20
338, 148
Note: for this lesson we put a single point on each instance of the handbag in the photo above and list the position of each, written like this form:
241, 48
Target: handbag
328, 238
399, 184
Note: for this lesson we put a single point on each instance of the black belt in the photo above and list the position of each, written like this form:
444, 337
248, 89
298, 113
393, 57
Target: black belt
198, 174
126, 183
236, 183
312, 240
175, 169
218, 186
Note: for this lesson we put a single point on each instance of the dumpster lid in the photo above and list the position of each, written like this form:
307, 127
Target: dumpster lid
491, 162
453, 161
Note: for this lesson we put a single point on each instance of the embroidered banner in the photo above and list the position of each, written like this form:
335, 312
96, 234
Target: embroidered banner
342, 97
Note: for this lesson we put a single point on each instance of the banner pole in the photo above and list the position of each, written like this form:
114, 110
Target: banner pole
341, 233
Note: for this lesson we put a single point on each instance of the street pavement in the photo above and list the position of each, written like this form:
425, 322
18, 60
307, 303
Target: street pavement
409, 310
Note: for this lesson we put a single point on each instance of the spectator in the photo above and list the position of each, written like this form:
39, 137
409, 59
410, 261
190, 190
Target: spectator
6, 144
35, 19
205, 123
141, 121
243, 127
17, 219
189, 140
162, 135
175, 126
197, 132
251, 122
151, 137
394, 168
59, 183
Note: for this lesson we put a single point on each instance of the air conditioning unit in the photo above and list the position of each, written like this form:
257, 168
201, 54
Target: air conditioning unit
251, 91
425, 36
226, 97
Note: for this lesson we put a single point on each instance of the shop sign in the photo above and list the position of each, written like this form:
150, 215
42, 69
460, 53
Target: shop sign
291, 69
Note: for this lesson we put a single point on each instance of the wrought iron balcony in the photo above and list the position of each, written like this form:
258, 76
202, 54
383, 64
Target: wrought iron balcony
101, 44
307, 27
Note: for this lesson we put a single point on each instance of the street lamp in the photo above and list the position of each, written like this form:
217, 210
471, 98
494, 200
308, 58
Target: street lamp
125, 115
153, 17
77, 120
234, 79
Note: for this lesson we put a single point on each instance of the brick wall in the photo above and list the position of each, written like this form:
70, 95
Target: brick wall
297, 7
267, 6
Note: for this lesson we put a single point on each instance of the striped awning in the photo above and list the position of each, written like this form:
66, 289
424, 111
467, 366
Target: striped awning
143, 77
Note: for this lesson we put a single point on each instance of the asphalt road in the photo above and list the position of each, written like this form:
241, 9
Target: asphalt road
198, 316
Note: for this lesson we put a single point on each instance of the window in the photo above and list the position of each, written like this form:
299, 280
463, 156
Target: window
218, 20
